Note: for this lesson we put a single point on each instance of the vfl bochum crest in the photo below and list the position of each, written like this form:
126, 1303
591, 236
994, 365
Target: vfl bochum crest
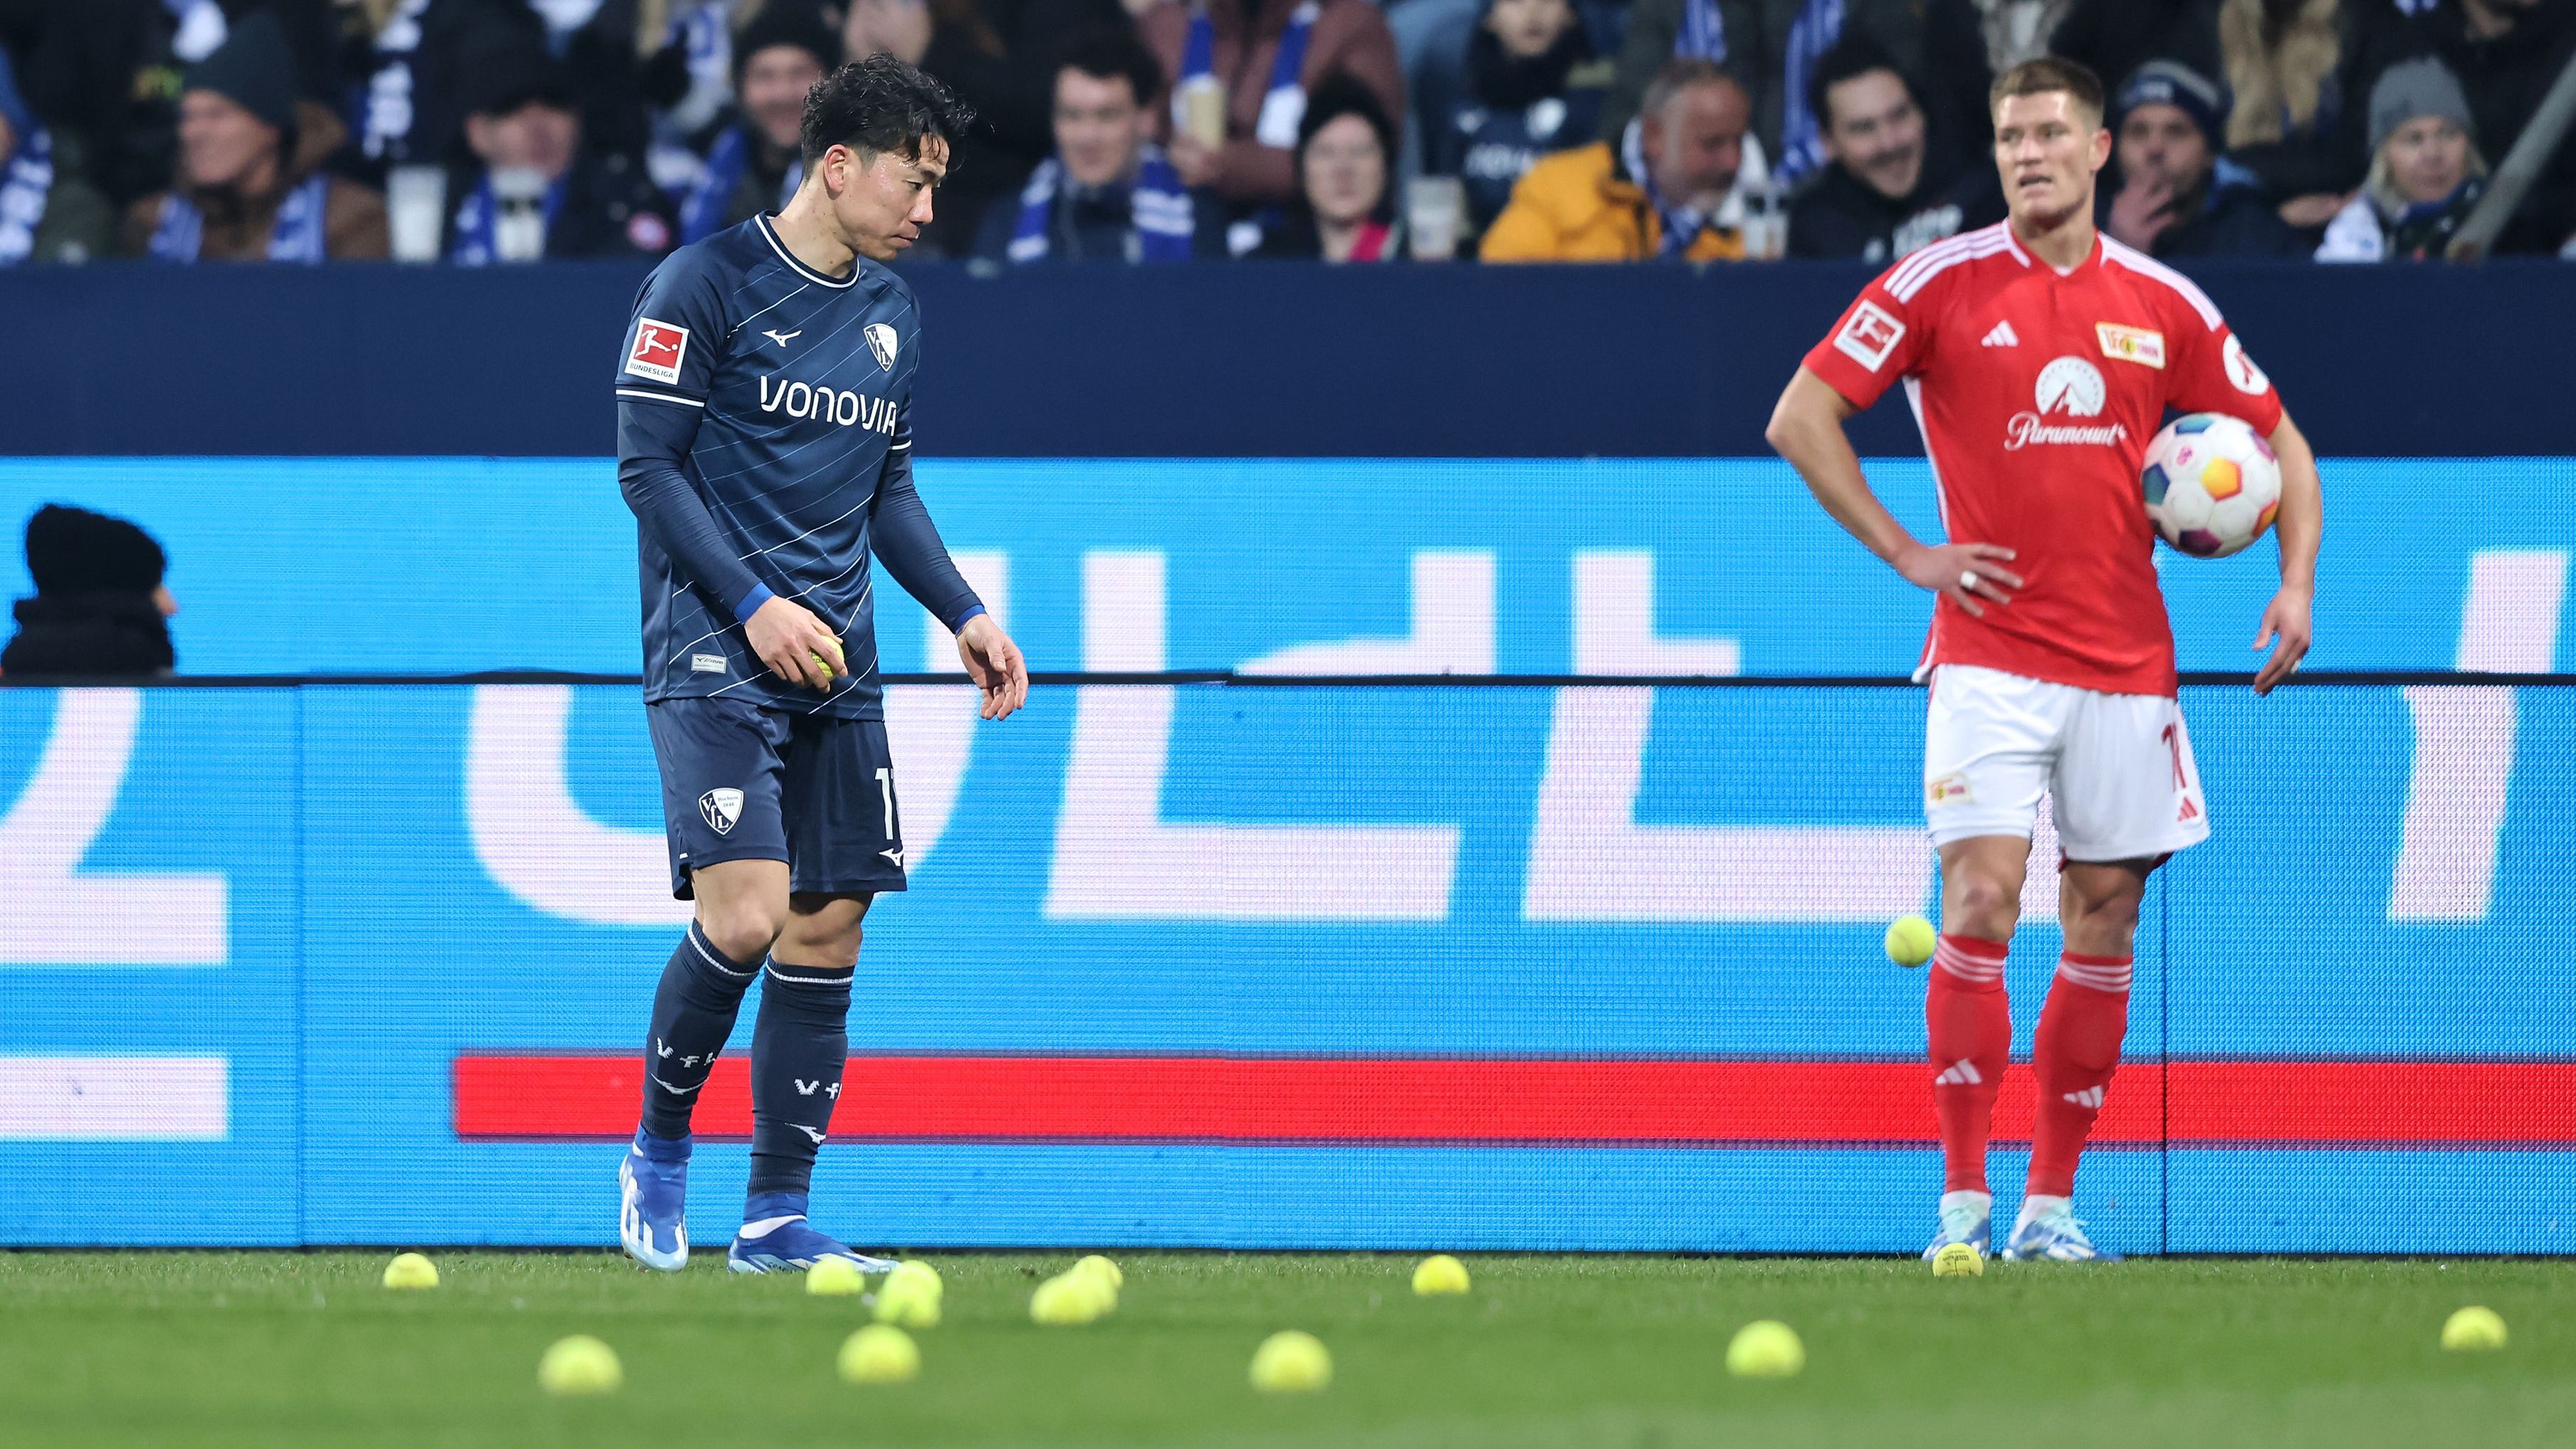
722, 808
881, 341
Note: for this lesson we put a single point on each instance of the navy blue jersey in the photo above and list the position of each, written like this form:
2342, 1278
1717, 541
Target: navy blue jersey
780, 398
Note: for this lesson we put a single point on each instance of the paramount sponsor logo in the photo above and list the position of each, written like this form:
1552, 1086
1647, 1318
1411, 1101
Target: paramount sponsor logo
2029, 429
803, 400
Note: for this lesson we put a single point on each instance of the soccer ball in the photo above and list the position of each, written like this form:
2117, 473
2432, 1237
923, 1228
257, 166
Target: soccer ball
2212, 485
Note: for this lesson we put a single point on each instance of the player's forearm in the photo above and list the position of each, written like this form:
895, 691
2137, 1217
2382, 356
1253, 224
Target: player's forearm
910, 545
651, 442
1807, 430
2301, 525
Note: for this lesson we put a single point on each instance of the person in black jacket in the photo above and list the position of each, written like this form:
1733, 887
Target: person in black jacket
1886, 191
2174, 196
537, 191
1532, 87
2506, 53
100, 606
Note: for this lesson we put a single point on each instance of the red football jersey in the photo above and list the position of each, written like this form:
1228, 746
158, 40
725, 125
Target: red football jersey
2037, 394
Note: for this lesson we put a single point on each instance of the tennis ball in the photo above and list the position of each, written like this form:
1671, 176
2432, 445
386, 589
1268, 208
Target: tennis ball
411, 1270
880, 1354
1909, 941
1766, 1349
1290, 1362
822, 663
1070, 1298
914, 1271
2473, 1329
1103, 1268
1959, 1260
580, 1364
835, 1278
907, 1303
1439, 1273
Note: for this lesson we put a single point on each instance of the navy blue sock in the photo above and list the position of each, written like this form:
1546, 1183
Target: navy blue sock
693, 1012
799, 1044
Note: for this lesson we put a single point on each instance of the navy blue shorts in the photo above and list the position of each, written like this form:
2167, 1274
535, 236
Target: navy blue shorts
740, 782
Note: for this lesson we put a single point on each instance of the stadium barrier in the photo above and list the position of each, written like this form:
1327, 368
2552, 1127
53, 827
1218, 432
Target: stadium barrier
1273, 960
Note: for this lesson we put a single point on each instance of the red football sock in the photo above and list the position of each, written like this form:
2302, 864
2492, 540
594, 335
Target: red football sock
1969, 1023
2077, 1049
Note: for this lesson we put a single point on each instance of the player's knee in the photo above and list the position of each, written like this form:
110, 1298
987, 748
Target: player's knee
742, 929
1985, 906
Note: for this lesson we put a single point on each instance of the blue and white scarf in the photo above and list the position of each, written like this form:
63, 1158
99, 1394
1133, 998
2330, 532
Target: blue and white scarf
1802, 141
1703, 33
1681, 225
297, 236
24, 186
201, 31
1158, 207
478, 221
385, 112
704, 207
1283, 105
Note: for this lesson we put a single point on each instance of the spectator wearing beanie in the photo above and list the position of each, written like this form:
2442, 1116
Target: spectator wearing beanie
1533, 88
2425, 172
2176, 196
1345, 209
100, 606
534, 191
1885, 191
1107, 194
756, 162
250, 185
1256, 62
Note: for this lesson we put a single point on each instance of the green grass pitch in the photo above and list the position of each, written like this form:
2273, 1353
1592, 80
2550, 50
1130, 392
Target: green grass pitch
282, 1349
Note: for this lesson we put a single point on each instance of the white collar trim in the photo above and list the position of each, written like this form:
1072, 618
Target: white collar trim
769, 234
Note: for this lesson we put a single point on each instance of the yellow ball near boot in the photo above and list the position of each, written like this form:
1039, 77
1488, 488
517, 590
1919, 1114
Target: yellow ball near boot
2472, 1330
835, 1278
1766, 1349
1909, 941
1439, 1274
1104, 1268
1958, 1260
907, 1301
880, 1354
580, 1364
411, 1270
1070, 1298
920, 1275
1291, 1362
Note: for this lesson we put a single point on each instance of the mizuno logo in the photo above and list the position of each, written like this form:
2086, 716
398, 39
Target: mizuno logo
783, 338
810, 1132
2090, 1097
893, 855
1959, 1074
2002, 336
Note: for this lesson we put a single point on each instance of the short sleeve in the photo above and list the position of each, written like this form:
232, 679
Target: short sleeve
2213, 374
671, 341
1876, 341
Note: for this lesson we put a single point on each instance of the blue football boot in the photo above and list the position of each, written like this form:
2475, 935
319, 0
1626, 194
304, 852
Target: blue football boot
652, 1202
775, 1238
1966, 1217
2055, 1236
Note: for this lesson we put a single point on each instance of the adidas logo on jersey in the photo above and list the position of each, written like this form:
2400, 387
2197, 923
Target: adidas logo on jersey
2090, 1097
1958, 1074
2002, 336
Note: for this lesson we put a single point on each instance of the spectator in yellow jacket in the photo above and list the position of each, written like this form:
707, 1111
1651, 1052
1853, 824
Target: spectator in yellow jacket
1674, 185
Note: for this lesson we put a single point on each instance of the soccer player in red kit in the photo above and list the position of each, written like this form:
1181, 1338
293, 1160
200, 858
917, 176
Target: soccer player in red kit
2039, 358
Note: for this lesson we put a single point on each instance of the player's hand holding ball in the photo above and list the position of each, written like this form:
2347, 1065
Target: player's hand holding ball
1961, 572
994, 663
796, 645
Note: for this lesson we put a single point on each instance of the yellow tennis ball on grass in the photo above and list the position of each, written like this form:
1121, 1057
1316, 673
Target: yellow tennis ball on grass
1909, 940
411, 1270
907, 1303
835, 1278
1439, 1274
1070, 1298
917, 1275
2473, 1329
1104, 1268
880, 1354
580, 1364
1766, 1349
1959, 1260
1291, 1362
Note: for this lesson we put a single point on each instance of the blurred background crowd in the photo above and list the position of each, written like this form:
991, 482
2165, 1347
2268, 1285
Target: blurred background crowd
483, 132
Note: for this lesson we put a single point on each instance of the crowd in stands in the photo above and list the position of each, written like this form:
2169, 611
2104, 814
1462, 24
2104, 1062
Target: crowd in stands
487, 132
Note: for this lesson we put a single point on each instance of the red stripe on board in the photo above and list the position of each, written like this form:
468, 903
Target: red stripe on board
1204, 1099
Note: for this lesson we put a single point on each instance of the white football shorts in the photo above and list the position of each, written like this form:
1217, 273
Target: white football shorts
2117, 766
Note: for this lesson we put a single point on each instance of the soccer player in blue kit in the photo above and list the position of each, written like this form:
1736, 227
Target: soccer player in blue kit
764, 440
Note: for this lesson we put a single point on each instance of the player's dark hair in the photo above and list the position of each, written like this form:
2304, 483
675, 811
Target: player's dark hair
2047, 75
1112, 52
1851, 58
878, 106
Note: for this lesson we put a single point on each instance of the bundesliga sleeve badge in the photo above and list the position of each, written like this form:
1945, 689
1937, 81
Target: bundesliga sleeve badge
658, 348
